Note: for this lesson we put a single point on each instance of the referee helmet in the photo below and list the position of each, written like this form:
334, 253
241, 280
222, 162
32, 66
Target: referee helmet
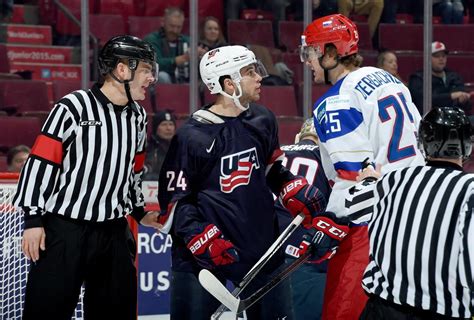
130, 49
446, 133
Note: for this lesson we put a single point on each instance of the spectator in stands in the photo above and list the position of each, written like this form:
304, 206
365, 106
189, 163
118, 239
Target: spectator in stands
387, 60
172, 47
16, 158
447, 85
210, 34
163, 130
373, 9
450, 11
6, 10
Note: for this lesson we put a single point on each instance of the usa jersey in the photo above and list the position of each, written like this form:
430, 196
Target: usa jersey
302, 159
367, 114
222, 170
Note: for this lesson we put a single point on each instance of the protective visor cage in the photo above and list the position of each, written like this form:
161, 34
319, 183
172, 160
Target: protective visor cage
308, 53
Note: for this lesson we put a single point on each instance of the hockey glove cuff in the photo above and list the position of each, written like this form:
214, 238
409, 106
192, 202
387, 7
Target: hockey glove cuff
299, 196
323, 236
211, 249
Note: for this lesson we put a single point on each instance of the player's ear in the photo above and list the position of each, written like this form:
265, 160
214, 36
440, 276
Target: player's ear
122, 70
228, 85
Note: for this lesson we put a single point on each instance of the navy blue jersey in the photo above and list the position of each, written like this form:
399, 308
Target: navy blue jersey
224, 173
302, 159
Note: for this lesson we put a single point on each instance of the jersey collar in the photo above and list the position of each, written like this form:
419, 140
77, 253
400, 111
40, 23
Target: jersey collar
104, 101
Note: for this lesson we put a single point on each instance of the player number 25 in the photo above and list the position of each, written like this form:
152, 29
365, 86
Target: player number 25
174, 182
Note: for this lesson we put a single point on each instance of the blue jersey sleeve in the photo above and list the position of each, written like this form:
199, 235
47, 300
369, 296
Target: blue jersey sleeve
184, 166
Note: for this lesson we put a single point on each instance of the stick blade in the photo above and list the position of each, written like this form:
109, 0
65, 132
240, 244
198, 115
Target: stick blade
218, 290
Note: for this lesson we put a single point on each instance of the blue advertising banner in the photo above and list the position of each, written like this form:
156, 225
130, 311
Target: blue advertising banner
154, 271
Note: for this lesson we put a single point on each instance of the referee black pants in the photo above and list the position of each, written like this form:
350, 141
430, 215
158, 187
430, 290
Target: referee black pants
100, 255
381, 309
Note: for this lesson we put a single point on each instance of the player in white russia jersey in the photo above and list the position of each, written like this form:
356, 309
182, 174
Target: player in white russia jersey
367, 113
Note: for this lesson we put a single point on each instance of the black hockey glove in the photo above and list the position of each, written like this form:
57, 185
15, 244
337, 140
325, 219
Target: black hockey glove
323, 236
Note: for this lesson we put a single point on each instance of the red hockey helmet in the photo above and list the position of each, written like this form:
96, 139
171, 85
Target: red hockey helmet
336, 29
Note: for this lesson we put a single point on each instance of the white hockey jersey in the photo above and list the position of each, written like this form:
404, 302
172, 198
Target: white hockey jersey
367, 114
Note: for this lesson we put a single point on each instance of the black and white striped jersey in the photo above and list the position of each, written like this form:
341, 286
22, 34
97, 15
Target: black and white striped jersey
87, 162
421, 230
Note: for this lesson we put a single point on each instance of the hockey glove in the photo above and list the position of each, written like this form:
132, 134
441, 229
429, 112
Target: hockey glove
299, 196
323, 236
211, 249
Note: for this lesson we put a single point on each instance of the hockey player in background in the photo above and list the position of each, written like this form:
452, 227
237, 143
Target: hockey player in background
308, 282
367, 113
216, 187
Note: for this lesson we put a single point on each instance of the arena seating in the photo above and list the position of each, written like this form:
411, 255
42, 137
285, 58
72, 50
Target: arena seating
18, 130
288, 34
62, 88
250, 32
410, 36
105, 26
18, 96
174, 97
280, 99
288, 127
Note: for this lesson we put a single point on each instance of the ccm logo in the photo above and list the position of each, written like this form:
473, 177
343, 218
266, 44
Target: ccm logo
90, 123
203, 239
328, 228
291, 186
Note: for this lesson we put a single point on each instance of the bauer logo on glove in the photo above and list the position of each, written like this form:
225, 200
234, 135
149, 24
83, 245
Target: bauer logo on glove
211, 249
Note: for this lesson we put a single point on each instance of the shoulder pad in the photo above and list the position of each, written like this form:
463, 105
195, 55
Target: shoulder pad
205, 116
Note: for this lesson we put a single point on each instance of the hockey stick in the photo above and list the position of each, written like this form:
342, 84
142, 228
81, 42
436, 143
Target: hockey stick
220, 292
261, 262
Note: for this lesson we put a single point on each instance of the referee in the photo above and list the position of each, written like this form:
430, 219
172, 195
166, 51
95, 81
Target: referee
81, 179
421, 230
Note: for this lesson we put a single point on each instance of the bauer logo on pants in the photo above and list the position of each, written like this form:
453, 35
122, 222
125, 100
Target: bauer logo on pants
236, 169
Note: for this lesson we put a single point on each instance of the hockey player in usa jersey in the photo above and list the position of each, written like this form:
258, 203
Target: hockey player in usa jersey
367, 113
308, 281
216, 185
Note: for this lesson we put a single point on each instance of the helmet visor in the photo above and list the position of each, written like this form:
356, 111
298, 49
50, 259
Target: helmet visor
309, 53
155, 69
254, 69
260, 69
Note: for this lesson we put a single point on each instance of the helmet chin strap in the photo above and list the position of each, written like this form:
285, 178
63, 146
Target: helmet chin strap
235, 97
326, 70
126, 84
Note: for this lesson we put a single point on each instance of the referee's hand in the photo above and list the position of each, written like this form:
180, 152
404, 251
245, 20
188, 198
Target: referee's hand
33, 240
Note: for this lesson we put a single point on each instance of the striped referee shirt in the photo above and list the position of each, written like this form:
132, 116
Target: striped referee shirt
87, 162
421, 230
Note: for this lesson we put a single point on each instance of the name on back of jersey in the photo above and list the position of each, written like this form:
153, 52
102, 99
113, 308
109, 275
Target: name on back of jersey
296, 147
373, 80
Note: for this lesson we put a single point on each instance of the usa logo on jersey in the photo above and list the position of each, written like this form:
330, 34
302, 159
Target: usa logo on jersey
236, 169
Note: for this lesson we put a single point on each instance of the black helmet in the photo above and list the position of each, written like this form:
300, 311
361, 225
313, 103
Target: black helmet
125, 47
446, 133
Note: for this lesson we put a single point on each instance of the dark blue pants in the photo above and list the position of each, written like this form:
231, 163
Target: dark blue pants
189, 300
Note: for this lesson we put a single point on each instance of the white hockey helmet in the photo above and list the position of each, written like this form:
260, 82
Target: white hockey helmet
227, 61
